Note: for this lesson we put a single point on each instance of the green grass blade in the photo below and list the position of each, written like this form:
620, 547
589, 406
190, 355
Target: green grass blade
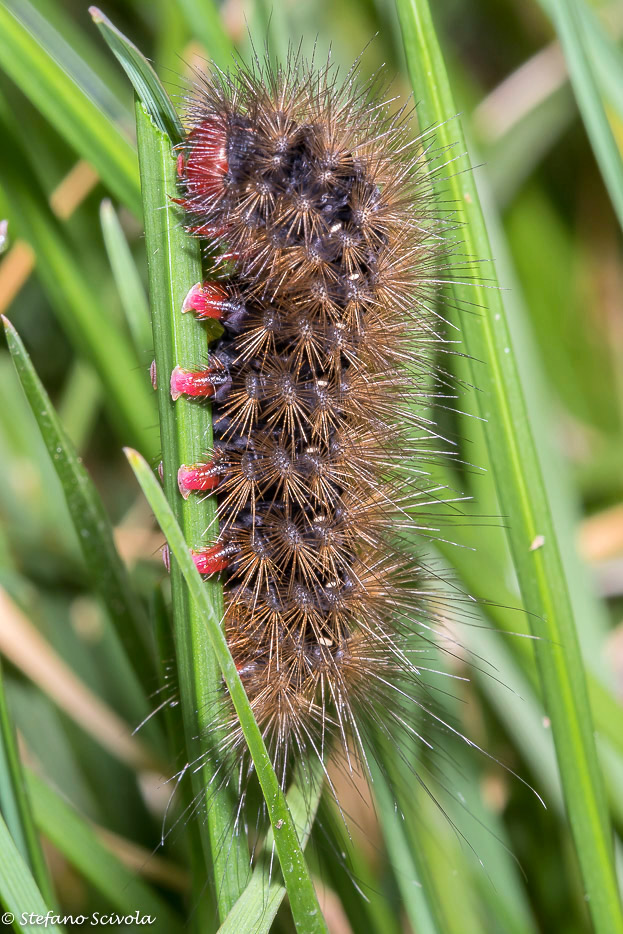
72, 835
418, 893
77, 118
94, 533
517, 472
204, 21
77, 303
570, 26
80, 403
185, 432
129, 285
77, 55
303, 902
257, 907
143, 77
14, 803
19, 894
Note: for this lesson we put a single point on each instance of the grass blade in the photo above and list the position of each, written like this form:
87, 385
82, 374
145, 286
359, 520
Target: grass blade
418, 893
94, 532
77, 841
303, 902
519, 481
569, 23
257, 907
18, 890
143, 77
77, 55
77, 118
79, 404
77, 303
129, 285
185, 432
205, 22
24, 646
14, 803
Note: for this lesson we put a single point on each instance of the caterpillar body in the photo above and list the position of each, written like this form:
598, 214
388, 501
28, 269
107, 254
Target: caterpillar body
319, 198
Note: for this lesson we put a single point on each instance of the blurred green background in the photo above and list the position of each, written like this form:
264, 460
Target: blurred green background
499, 862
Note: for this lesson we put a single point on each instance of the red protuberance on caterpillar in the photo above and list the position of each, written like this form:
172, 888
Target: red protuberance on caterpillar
205, 166
211, 561
197, 478
207, 300
195, 383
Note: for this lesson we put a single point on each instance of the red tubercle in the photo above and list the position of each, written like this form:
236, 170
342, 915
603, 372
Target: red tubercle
204, 165
197, 478
207, 231
194, 383
212, 560
206, 300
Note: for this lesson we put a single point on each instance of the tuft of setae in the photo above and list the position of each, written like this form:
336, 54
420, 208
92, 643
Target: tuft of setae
329, 257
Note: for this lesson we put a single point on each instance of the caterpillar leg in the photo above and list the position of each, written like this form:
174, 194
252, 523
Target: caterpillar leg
198, 478
212, 300
213, 560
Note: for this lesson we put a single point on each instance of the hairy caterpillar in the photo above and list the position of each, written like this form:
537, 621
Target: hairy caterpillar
316, 201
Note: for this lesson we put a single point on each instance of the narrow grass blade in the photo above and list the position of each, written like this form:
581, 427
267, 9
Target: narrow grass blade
94, 533
570, 26
14, 803
33, 655
352, 872
185, 433
76, 53
129, 285
519, 480
204, 21
606, 55
72, 835
19, 894
75, 298
77, 118
303, 902
257, 907
142, 76
418, 893
80, 403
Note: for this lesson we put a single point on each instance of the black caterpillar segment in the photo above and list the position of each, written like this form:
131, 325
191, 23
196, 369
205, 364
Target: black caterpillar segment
318, 384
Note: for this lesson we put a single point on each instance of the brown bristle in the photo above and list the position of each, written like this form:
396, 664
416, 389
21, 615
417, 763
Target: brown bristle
321, 438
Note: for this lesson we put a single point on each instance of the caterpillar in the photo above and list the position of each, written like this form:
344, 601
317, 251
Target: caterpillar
328, 257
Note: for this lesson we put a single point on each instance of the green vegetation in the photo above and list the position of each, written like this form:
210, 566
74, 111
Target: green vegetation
94, 636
